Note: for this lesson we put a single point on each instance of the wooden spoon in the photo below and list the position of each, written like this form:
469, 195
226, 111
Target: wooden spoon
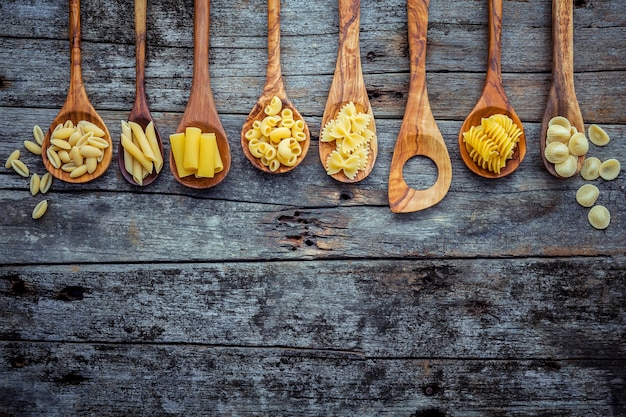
348, 85
140, 112
493, 100
562, 96
419, 134
200, 111
77, 106
273, 87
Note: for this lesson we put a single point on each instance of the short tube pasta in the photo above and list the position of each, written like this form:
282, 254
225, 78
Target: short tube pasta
266, 136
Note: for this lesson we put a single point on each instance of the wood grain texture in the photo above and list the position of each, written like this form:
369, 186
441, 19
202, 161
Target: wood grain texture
493, 100
140, 113
77, 107
274, 87
562, 99
200, 111
297, 294
419, 134
348, 86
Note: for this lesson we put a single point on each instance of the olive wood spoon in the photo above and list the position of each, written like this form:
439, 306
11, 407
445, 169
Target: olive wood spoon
200, 111
493, 100
140, 112
348, 86
273, 87
562, 96
77, 106
419, 134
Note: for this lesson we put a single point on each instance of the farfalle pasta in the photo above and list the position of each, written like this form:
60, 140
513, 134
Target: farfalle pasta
350, 132
493, 142
276, 139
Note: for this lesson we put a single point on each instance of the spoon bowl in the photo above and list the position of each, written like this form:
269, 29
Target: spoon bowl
274, 87
492, 101
200, 111
419, 134
562, 96
140, 112
348, 86
77, 107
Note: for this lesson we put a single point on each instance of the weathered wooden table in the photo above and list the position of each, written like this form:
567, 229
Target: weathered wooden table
298, 294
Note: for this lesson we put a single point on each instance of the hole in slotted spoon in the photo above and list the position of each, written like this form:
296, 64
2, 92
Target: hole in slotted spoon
420, 172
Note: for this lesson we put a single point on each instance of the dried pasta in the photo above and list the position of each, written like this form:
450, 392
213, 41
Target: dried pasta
564, 144
350, 132
201, 148
275, 139
493, 142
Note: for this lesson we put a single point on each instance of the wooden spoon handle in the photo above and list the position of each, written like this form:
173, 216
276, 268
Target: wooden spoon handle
494, 69
200, 84
77, 87
274, 79
419, 134
348, 72
563, 61
140, 54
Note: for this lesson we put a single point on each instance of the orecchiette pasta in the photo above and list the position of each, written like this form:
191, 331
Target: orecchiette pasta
275, 139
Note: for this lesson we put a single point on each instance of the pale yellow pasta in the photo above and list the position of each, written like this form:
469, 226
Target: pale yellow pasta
154, 145
90, 127
268, 123
266, 135
254, 147
128, 158
45, 183
40, 209
32, 147
20, 167
493, 142
14, 155
274, 107
136, 152
38, 135
278, 134
350, 132
142, 140
35, 182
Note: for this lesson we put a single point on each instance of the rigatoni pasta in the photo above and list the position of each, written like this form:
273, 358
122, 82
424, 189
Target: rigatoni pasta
196, 153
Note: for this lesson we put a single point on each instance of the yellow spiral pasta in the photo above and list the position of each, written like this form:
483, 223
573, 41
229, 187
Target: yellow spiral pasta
493, 142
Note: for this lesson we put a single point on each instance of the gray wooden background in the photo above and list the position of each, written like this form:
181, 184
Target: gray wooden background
296, 294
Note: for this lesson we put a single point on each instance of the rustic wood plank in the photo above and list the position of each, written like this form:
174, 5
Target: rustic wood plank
533, 308
50, 379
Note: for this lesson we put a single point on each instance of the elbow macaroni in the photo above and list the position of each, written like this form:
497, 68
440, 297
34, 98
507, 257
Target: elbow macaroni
275, 139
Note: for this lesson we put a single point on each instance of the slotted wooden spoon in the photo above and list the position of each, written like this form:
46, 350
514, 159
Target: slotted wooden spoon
562, 96
77, 106
493, 100
200, 111
274, 86
140, 112
348, 85
419, 134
